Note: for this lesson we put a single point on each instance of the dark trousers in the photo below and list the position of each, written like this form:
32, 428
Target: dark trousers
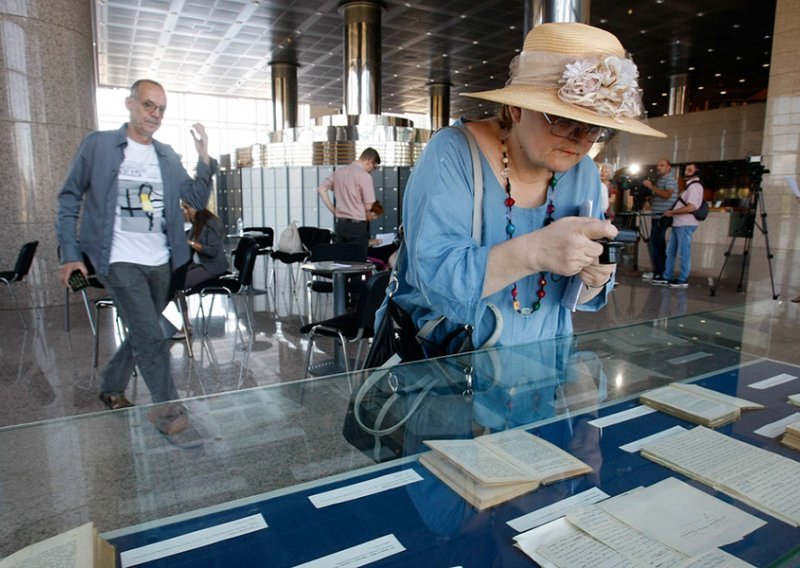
658, 247
140, 294
355, 232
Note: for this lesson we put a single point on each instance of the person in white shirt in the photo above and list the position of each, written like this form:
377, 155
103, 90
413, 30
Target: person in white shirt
683, 227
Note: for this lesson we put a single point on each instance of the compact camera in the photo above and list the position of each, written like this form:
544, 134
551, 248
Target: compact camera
611, 247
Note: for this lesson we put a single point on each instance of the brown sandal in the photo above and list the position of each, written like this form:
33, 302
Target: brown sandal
115, 401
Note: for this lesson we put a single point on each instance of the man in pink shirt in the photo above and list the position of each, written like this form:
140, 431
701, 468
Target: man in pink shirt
354, 194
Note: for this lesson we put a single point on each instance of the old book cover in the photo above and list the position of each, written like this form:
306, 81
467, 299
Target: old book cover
492, 469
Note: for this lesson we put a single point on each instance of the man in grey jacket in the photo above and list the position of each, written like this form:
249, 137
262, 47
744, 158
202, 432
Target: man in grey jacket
126, 188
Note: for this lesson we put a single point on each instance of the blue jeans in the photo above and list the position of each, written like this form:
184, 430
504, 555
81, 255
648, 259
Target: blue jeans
680, 245
140, 294
657, 245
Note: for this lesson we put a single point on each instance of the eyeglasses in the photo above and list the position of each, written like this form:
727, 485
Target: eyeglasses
574, 130
150, 107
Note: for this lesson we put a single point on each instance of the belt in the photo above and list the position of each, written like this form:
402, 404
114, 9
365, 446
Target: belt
348, 220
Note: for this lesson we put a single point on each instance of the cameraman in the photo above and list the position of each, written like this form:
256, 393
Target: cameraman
665, 191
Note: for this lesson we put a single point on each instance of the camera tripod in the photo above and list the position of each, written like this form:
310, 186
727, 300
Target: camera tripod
754, 211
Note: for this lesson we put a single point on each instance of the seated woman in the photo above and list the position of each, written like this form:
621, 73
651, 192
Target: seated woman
208, 254
377, 252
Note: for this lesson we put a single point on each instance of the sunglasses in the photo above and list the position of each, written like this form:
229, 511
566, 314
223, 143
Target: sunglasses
574, 130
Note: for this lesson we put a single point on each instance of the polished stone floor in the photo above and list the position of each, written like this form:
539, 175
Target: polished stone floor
46, 372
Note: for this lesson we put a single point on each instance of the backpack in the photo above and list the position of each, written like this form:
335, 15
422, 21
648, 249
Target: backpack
289, 241
701, 212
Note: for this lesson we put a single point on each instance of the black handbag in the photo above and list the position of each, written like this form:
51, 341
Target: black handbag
394, 409
665, 222
398, 337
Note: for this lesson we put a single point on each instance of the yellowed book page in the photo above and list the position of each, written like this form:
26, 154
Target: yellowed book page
759, 477
718, 396
479, 461
690, 405
71, 549
479, 495
543, 460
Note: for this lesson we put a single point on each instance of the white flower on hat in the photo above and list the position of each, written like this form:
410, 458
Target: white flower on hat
608, 85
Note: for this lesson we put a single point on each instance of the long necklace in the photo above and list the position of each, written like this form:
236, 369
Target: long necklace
510, 228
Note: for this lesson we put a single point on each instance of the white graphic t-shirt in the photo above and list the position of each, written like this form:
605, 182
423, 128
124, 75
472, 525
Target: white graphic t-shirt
139, 236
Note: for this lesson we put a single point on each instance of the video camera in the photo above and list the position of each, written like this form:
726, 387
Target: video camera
634, 183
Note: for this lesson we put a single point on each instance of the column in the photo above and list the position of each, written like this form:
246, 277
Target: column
678, 85
549, 11
48, 89
439, 105
284, 95
362, 56
780, 156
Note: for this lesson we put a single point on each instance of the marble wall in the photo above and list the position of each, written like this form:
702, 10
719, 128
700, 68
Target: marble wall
47, 85
706, 136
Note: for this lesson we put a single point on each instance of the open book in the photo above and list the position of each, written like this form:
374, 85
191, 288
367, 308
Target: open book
697, 404
82, 547
492, 469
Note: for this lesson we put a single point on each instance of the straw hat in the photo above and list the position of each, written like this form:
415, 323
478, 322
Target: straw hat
575, 71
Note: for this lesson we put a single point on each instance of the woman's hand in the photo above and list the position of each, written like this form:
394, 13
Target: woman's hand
564, 247
596, 275
568, 245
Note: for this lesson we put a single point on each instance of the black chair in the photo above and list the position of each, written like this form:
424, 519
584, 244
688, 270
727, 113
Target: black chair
265, 244
21, 269
244, 259
310, 237
324, 284
351, 327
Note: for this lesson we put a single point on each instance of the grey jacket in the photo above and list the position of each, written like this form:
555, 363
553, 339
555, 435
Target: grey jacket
212, 252
92, 183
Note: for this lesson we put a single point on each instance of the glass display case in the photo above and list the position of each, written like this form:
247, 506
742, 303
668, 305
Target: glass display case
294, 464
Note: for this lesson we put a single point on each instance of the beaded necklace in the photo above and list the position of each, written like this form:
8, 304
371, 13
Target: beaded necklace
510, 228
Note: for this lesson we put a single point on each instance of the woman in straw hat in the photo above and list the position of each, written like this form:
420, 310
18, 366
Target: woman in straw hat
571, 86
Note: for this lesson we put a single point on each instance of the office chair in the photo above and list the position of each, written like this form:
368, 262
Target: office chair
265, 243
324, 284
310, 237
21, 269
351, 327
231, 284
